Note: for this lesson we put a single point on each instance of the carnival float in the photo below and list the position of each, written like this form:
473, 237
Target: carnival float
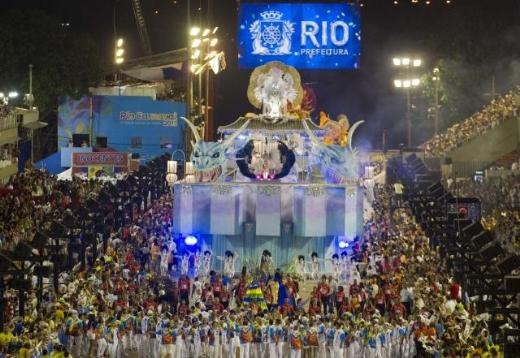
276, 182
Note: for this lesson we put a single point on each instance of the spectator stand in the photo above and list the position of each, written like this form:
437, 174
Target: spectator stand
489, 275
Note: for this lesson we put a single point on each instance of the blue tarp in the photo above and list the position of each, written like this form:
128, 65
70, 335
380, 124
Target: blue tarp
52, 164
24, 154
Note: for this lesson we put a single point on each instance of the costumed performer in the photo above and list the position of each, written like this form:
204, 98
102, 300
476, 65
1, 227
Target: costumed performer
345, 266
315, 266
301, 267
266, 263
336, 266
206, 263
185, 263
229, 266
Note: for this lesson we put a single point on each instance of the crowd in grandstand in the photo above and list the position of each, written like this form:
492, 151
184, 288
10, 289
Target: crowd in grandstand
499, 110
30, 200
395, 298
500, 200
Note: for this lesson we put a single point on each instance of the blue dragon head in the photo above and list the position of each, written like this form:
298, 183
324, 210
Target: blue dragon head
339, 165
208, 158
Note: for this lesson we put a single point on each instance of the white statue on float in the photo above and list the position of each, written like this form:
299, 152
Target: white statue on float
273, 87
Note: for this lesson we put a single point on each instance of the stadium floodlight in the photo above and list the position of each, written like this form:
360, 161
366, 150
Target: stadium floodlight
194, 31
196, 43
13, 94
398, 83
195, 55
119, 51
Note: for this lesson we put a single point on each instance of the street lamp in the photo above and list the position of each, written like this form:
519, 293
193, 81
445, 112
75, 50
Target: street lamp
407, 67
203, 55
407, 84
119, 52
4, 98
407, 62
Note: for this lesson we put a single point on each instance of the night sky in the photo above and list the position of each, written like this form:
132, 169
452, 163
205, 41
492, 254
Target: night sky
366, 93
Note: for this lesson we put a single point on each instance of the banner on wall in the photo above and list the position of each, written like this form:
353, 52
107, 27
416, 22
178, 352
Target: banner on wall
131, 124
113, 159
303, 35
99, 164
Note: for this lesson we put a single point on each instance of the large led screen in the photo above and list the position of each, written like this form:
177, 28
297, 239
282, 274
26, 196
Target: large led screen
303, 35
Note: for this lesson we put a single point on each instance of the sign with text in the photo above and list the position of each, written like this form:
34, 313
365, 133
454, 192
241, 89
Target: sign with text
112, 159
132, 124
303, 35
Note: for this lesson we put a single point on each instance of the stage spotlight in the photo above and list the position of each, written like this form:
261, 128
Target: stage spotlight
343, 244
190, 240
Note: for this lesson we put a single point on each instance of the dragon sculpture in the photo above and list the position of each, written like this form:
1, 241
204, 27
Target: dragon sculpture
208, 158
339, 165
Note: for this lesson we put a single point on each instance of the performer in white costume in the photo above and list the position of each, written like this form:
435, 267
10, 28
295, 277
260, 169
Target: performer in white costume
301, 267
229, 259
336, 266
315, 266
206, 263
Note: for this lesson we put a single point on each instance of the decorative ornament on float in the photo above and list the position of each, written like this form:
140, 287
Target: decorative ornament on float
274, 87
309, 99
337, 131
265, 161
208, 158
339, 165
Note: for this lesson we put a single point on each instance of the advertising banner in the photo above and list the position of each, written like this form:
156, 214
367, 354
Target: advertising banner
303, 35
113, 159
99, 164
131, 124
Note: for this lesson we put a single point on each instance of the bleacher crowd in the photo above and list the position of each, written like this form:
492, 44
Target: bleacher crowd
30, 200
499, 110
500, 200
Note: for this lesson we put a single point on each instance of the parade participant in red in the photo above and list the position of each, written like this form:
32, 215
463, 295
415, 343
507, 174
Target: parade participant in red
354, 289
398, 310
287, 309
455, 291
224, 298
381, 302
183, 308
217, 287
184, 287
324, 290
241, 290
314, 307
217, 305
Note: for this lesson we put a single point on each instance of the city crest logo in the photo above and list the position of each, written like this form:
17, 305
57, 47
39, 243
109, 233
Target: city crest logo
271, 35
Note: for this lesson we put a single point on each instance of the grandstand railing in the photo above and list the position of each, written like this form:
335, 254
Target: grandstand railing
8, 121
